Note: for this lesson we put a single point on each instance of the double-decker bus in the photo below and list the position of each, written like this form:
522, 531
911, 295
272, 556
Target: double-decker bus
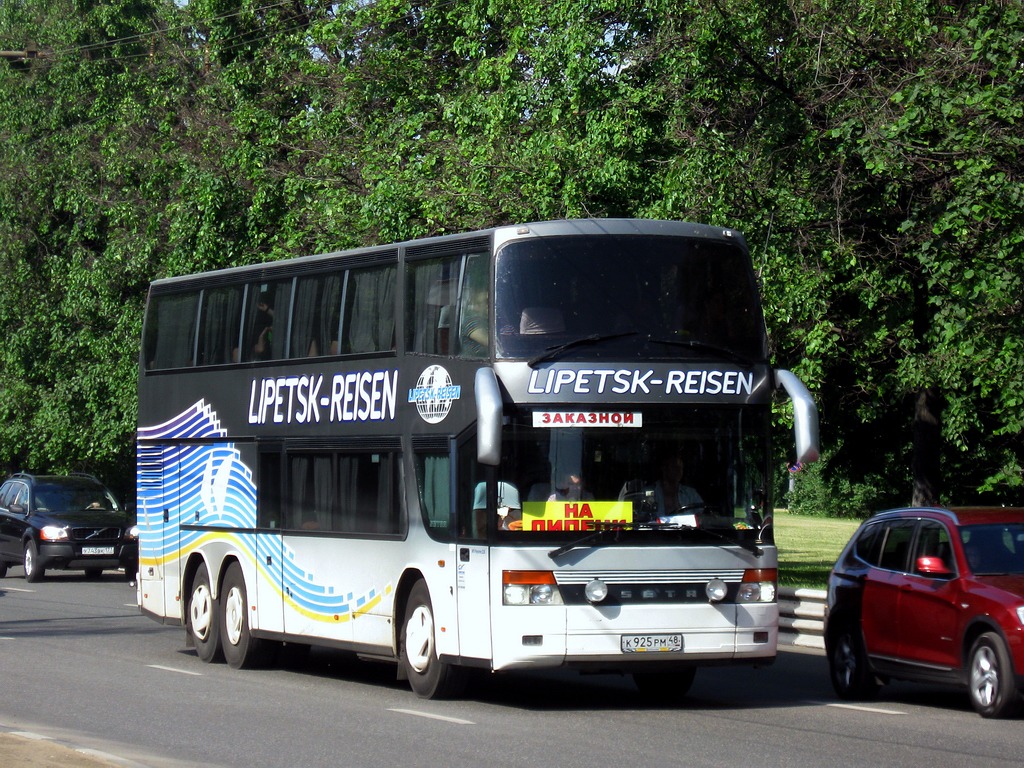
525, 447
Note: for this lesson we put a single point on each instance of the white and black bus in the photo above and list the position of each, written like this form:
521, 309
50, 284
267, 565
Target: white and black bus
531, 446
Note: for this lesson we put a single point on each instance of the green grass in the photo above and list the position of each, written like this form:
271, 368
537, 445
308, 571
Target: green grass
808, 547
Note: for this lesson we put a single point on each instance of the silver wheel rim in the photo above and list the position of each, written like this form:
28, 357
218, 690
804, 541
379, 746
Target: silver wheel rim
201, 611
234, 615
419, 639
29, 564
984, 676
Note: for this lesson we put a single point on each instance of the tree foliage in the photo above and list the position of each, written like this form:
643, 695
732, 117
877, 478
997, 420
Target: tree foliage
869, 151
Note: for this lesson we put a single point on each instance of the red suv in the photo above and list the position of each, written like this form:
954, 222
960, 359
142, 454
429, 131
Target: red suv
931, 595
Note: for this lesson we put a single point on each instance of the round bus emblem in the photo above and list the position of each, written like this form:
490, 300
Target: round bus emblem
434, 394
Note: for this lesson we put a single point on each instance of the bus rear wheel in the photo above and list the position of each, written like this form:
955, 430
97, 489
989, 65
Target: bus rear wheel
201, 615
429, 677
241, 649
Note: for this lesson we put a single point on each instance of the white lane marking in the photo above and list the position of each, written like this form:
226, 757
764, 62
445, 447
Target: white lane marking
875, 710
432, 716
175, 669
18, 589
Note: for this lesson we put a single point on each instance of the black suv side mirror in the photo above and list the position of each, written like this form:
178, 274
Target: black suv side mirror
17, 509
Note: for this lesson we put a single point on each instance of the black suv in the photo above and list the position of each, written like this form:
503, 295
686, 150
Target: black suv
65, 522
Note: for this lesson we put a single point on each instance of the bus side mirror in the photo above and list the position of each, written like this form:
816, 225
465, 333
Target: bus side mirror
488, 418
805, 417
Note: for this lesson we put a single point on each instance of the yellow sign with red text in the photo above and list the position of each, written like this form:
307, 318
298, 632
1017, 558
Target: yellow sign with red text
575, 515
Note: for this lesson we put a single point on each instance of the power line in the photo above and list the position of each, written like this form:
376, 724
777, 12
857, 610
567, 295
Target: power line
31, 52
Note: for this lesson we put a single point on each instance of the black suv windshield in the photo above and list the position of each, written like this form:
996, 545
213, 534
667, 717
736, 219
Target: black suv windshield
72, 494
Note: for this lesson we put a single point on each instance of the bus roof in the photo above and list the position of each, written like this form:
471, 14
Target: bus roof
500, 235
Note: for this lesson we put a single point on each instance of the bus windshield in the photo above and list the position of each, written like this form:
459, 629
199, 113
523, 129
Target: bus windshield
624, 297
683, 469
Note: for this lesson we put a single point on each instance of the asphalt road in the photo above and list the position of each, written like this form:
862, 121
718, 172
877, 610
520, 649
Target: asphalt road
80, 666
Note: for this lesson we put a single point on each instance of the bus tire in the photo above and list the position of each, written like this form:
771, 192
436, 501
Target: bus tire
990, 678
666, 687
429, 677
241, 649
201, 615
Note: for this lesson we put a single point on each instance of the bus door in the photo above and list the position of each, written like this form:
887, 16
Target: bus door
159, 476
472, 556
269, 541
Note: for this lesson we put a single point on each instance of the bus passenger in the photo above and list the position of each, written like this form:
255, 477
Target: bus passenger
510, 511
670, 493
264, 322
569, 487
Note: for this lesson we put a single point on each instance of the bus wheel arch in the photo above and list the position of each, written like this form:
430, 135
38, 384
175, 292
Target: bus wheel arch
241, 650
201, 609
428, 676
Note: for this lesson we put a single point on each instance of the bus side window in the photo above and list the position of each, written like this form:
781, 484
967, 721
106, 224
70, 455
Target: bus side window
220, 323
267, 320
369, 321
170, 331
268, 501
433, 478
315, 316
475, 308
470, 524
311, 500
429, 305
344, 492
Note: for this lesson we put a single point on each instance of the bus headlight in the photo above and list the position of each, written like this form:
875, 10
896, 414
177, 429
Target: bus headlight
529, 588
596, 591
716, 590
759, 586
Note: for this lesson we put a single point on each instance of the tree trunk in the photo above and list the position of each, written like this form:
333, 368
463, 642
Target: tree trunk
927, 444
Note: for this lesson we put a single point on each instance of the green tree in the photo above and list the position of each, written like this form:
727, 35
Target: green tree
868, 150
871, 150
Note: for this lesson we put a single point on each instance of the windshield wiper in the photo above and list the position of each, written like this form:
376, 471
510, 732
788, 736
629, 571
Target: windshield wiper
606, 528
593, 338
750, 546
702, 346
583, 541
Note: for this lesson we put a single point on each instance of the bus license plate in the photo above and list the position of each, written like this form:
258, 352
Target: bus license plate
652, 643
97, 550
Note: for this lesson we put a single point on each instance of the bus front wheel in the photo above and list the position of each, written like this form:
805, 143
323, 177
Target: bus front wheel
241, 649
203, 622
429, 677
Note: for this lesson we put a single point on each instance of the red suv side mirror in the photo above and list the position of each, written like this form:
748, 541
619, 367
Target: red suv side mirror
932, 566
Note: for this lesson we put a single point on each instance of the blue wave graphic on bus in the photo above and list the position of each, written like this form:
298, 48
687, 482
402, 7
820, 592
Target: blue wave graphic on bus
213, 487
